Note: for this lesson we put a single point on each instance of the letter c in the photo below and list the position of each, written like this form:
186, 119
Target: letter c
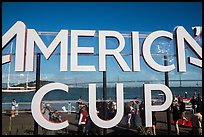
36, 107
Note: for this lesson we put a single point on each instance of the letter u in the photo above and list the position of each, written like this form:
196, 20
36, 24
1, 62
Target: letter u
93, 112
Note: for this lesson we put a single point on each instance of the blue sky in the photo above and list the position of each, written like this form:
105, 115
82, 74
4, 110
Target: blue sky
120, 16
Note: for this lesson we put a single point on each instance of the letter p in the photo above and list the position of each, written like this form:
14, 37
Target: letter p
148, 105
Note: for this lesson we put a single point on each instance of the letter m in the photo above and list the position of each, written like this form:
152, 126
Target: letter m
33, 37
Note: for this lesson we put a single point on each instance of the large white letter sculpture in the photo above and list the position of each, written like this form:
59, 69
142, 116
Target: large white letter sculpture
93, 112
75, 50
36, 107
148, 103
18, 30
146, 51
115, 52
181, 36
33, 37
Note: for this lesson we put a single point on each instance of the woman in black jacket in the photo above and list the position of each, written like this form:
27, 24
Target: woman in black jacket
176, 117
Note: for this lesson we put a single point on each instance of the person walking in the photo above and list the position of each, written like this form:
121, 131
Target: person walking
194, 104
142, 112
82, 121
80, 103
186, 94
199, 103
176, 116
130, 115
154, 122
126, 113
135, 105
183, 110
196, 120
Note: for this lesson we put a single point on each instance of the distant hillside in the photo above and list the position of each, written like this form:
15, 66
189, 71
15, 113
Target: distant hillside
32, 83
4, 85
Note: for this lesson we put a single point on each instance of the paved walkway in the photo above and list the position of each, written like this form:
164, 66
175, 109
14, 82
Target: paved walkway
24, 124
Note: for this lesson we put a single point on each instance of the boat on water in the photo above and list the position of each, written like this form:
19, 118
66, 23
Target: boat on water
16, 89
10, 89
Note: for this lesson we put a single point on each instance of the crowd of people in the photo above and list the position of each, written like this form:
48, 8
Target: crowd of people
179, 113
133, 112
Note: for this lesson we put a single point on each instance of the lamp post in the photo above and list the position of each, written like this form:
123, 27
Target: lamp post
167, 84
37, 87
104, 100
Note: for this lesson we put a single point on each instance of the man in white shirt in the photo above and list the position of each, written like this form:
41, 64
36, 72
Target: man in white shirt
14, 107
